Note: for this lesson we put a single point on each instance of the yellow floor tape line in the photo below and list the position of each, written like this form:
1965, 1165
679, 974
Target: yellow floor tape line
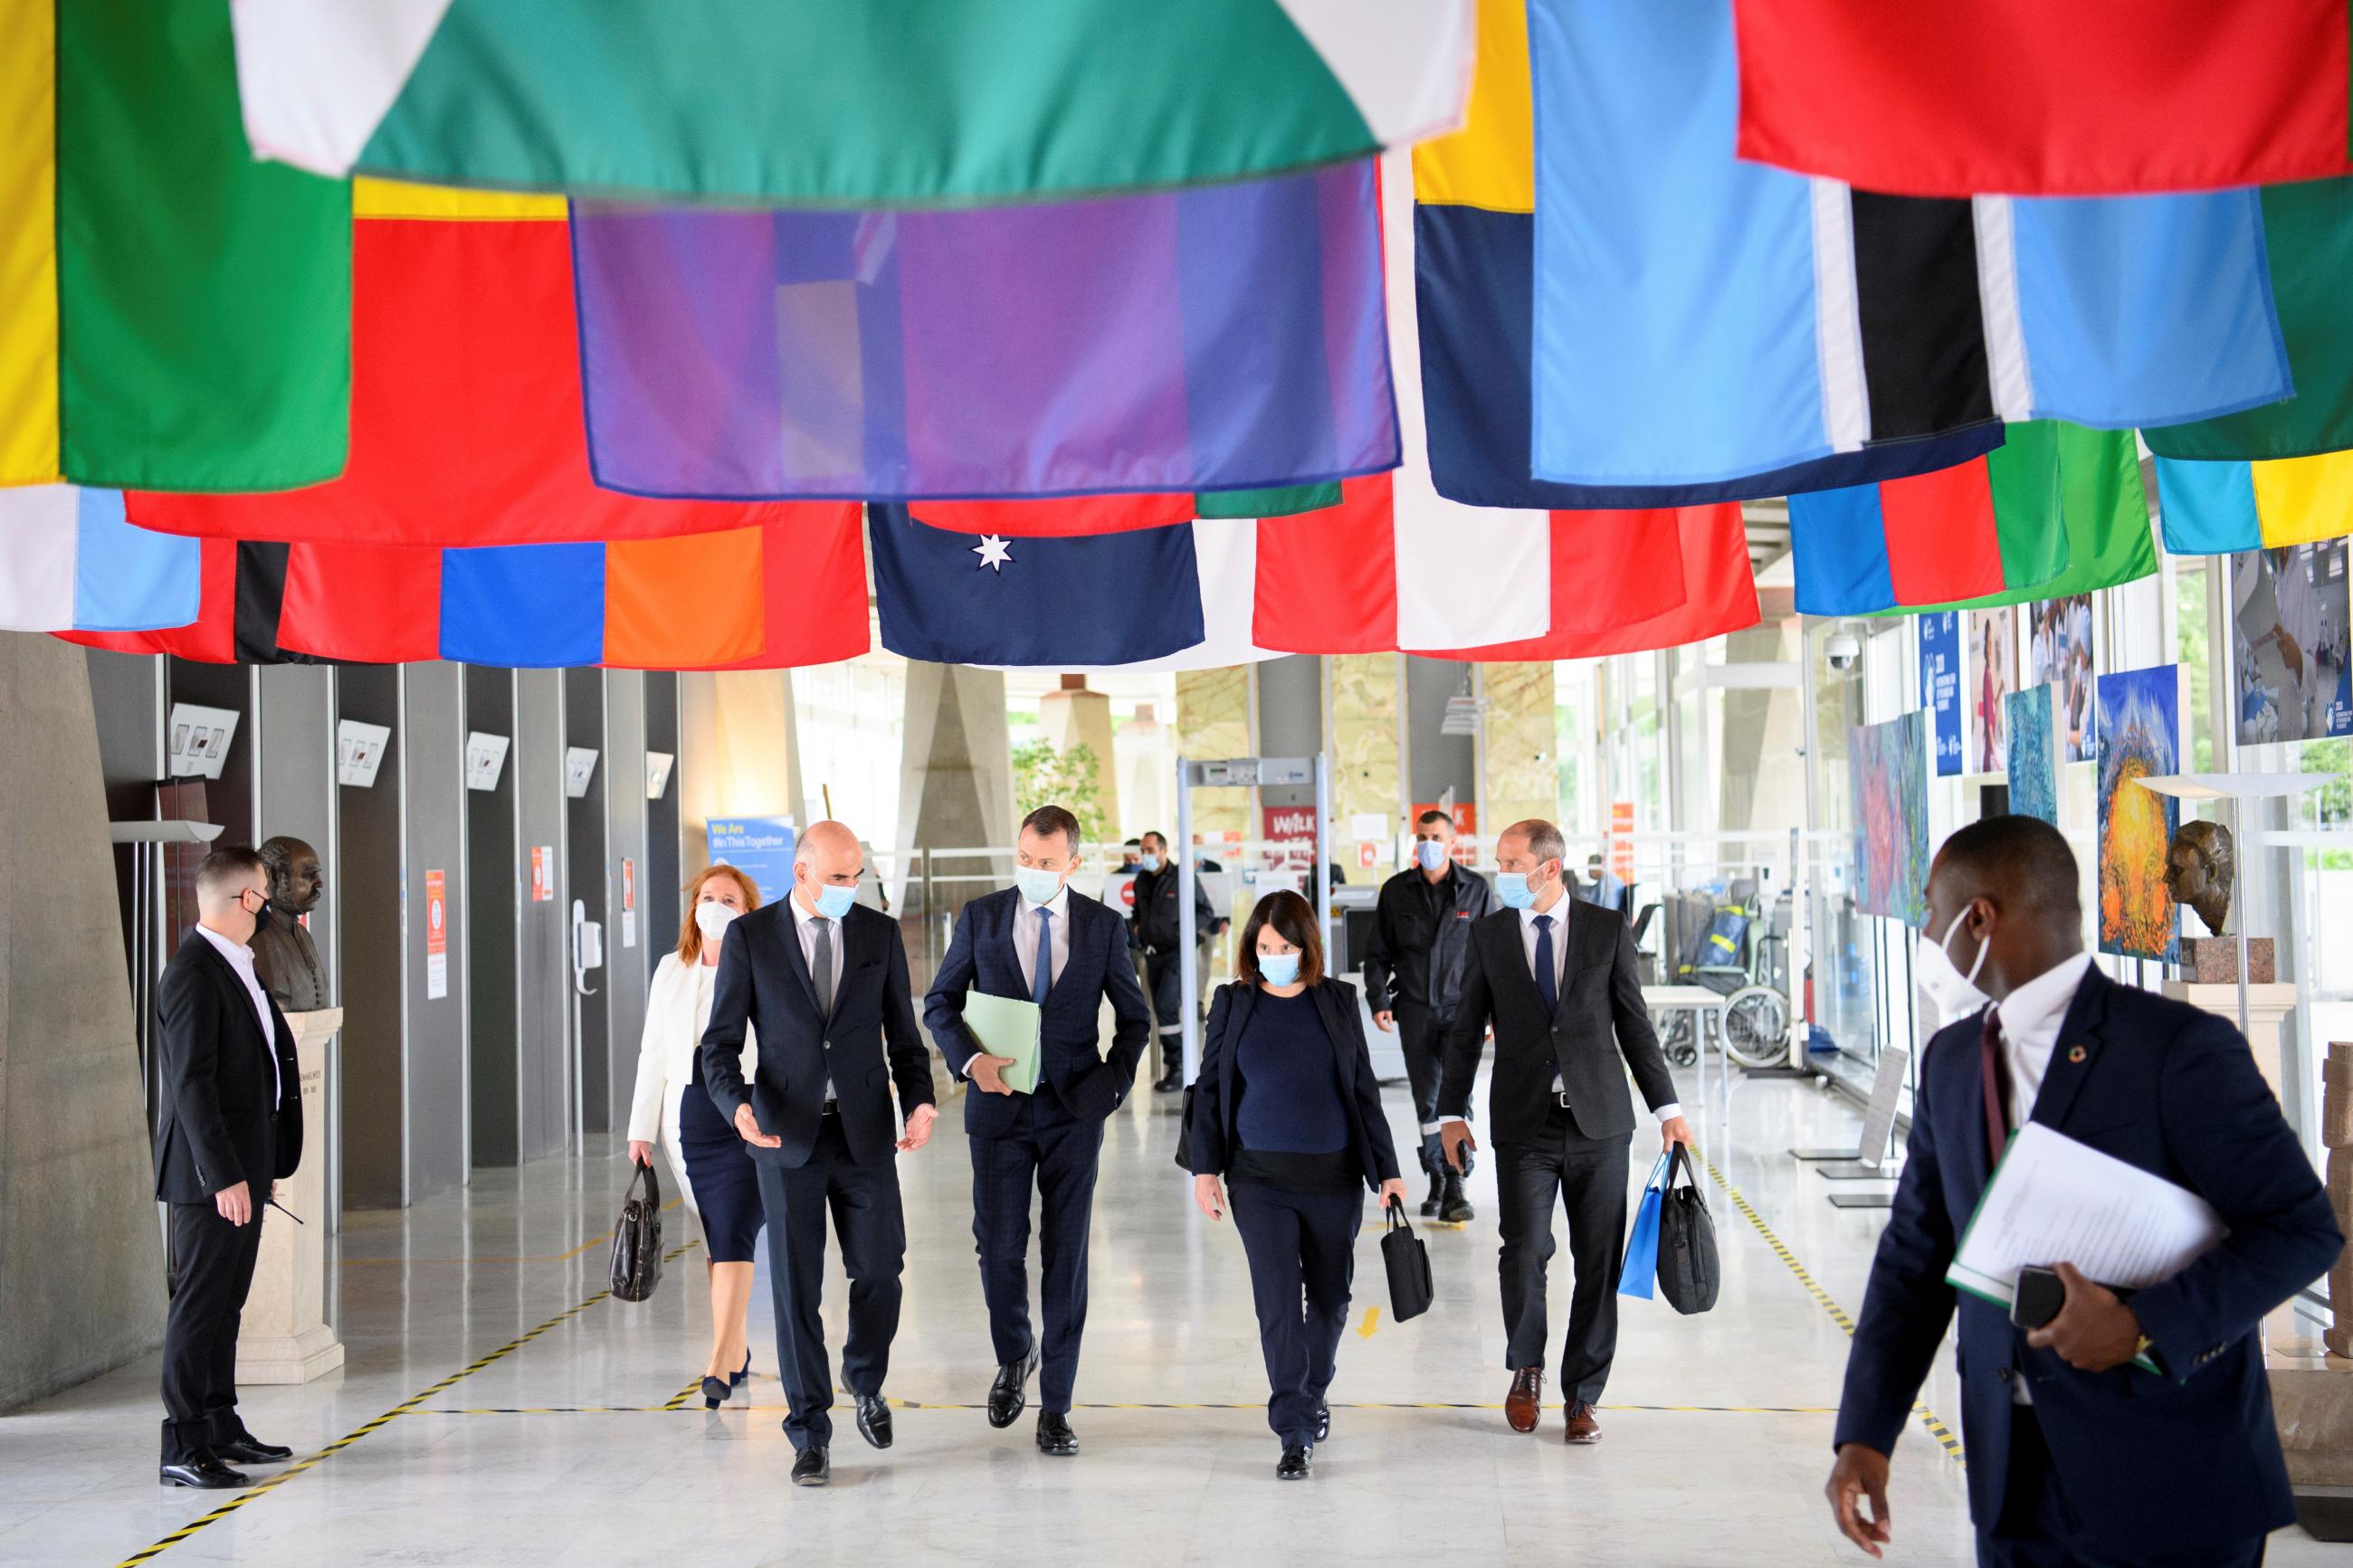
1929, 1418
406, 1408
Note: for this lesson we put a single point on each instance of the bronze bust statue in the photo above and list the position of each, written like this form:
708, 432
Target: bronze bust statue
2198, 868
283, 954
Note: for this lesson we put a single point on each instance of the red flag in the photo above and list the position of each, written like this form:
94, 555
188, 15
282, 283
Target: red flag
2045, 97
1057, 519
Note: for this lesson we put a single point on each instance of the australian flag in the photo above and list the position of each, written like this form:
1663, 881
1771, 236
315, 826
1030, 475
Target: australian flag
1078, 603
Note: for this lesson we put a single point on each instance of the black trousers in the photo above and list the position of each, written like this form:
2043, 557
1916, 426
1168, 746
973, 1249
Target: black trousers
212, 1270
2038, 1529
1302, 1256
1055, 1155
1166, 974
1421, 1035
872, 1228
1588, 1177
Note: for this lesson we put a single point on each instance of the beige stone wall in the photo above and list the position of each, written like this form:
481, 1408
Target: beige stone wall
1365, 721
1212, 722
1523, 749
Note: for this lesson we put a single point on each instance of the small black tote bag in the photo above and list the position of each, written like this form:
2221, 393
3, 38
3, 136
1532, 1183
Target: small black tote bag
1411, 1290
1689, 1275
636, 1239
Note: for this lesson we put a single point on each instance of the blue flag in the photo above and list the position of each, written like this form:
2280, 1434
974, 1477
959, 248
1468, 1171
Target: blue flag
1079, 603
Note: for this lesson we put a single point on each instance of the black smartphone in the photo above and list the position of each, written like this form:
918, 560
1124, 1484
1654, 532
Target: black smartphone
2040, 1294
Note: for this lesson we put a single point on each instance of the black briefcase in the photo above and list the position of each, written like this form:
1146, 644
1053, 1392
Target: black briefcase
1411, 1290
1689, 1274
636, 1239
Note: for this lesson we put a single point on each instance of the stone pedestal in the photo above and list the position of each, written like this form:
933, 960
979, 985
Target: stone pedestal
285, 1337
2214, 960
2314, 1412
2267, 1008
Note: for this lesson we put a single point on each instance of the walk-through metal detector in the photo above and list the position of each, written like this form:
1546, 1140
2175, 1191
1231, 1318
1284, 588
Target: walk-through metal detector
1241, 773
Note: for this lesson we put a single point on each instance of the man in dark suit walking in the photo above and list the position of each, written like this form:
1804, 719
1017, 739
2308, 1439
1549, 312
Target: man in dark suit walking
1158, 928
1040, 941
822, 981
2076, 1456
1557, 980
228, 1124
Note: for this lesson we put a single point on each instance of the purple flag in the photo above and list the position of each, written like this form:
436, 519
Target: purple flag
1226, 337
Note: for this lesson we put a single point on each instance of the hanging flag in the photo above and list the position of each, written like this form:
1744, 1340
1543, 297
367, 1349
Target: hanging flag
1696, 318
466, 427
243, 585
2104, 513
784, 595
1063, 518
2308, 240
69, 561
2220, 509
2100, 99
1214, 339
810, 102
172, 315
1984, 527
1282, 500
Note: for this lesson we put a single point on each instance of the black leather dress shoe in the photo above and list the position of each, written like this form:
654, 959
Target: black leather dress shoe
203, 1470
1322, 1422
874, 1419
1054, 1434
251, 1450
1009, 1395
1294, 1465
810, 1467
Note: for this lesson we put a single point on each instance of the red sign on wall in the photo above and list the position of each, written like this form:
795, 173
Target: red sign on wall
437, 935
1621, 839
543, 873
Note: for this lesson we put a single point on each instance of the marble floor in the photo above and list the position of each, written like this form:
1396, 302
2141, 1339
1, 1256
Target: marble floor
576, 1446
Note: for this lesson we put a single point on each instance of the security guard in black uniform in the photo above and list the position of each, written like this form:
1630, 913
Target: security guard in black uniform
1158, 928
1413, 969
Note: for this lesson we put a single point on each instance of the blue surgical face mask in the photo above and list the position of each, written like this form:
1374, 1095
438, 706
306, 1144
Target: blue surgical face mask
1038, 887
833, 902
1279, 968
1429, 854
1512, 887
1149, 862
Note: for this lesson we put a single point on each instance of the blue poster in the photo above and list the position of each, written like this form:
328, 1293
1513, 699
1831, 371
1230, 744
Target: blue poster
759, 847
1940, 687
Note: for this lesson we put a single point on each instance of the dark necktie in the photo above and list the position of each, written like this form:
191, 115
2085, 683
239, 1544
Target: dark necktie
1995, 1077
821, 969
1547, 979
1041, 972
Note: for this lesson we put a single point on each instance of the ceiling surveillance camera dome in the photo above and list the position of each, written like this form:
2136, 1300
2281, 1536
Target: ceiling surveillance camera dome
1843, 649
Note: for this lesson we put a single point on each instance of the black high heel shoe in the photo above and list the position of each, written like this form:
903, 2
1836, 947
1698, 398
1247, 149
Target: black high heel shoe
714, 1393
738, 1379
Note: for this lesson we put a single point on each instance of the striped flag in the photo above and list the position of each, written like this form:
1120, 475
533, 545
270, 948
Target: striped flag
243, 585
172, 315
466, 427
810, 102
1696, 317
788, 593
2309, 242
1201, 340
2220, 509
2092, 98
1981, 528
69, 561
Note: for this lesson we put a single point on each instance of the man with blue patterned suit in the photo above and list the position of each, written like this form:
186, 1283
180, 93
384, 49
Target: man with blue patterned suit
1040, 941
2077, 1456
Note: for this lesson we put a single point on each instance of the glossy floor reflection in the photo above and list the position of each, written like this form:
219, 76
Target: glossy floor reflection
561, 1450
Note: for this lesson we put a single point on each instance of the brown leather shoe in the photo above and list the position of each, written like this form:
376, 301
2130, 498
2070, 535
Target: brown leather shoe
1582, 1427
1523, 1406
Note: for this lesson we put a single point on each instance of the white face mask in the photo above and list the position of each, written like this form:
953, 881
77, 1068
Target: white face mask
1953, 993
713, 918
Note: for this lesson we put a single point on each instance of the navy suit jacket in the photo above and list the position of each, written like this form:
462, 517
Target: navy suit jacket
2180, 1463
1217, 1099
870, 1042
1091, 1082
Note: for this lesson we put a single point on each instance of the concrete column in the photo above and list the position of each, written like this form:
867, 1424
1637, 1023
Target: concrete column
1523, 750
956, 786
542, 962
82, 1260
1367, 736
625, 937
739, 752
1214, 719
1147, 774
1073, 716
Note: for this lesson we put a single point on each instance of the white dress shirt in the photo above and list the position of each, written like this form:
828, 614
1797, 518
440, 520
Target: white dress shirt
806, 921
2030, 1017
240, 958
1024, 940
1528, 936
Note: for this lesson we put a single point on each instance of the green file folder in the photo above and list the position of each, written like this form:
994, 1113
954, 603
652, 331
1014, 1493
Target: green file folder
1003, 1027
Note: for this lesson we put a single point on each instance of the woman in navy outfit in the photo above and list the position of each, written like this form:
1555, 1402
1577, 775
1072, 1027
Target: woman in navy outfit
707, 1156
1287, 1110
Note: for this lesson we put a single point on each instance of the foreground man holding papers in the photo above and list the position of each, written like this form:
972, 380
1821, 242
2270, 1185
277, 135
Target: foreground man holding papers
1040, 941
2075, 1456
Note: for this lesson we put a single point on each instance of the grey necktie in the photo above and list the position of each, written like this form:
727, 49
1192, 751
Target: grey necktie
821, 969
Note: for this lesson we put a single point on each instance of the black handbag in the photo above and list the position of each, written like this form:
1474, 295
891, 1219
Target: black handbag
1411, 1288
1689, 1273
1184, 1131
637, 1239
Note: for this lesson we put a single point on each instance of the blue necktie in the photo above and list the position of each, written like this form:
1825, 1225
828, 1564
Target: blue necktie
1041, 974
1548, 981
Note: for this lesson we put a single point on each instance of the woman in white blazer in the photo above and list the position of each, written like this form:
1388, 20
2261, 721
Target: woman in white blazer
707, 1156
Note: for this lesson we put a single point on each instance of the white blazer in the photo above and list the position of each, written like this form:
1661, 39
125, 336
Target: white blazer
678, 1008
